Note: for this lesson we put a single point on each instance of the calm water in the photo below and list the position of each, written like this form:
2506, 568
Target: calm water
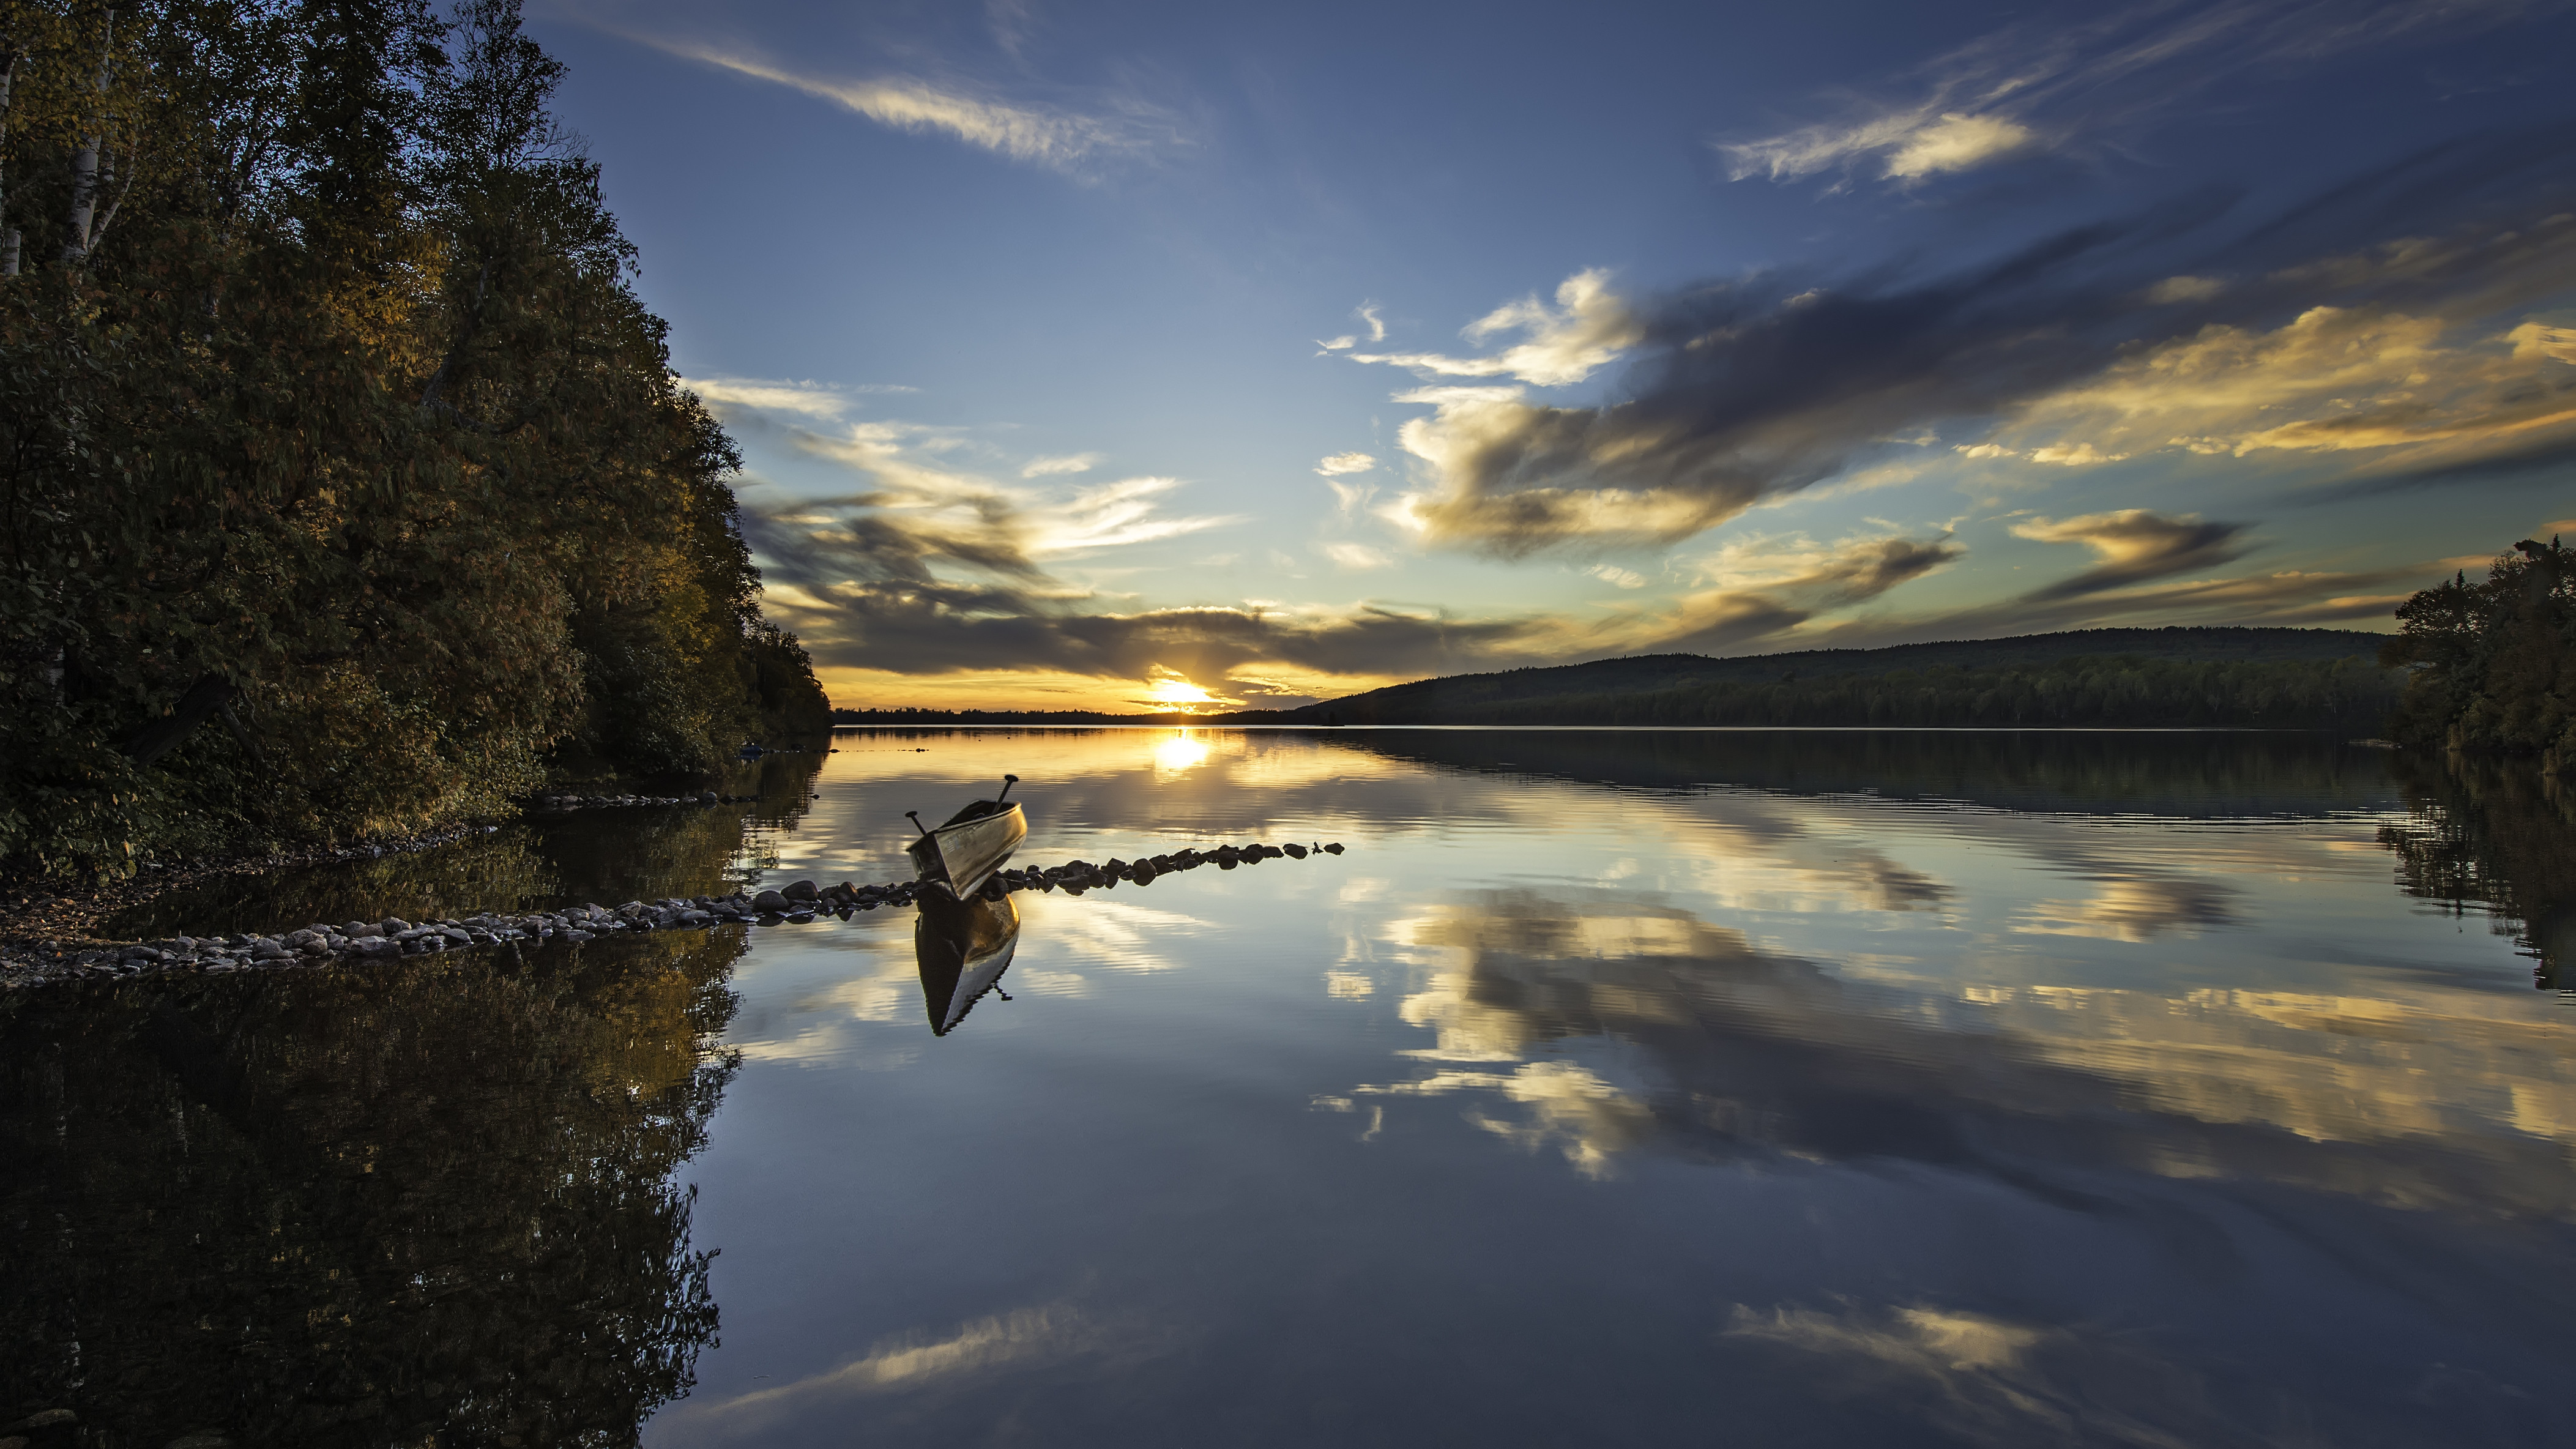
1790, 1089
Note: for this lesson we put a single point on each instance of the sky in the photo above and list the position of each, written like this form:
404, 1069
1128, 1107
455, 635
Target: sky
1140, 354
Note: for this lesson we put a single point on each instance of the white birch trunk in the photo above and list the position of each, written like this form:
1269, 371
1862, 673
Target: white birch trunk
85, 160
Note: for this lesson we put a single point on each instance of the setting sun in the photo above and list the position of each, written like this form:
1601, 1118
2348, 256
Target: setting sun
1173, 691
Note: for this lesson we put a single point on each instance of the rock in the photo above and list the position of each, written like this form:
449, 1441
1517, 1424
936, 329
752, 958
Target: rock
770, 902
202, 1439
377, 946
1333, 849
395, 925
359, 930
47, 1419
576, 934
769, 918
267, 950
1294, 851
802, 890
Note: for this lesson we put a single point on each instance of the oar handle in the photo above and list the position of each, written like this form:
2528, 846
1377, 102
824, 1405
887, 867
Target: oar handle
1007, 782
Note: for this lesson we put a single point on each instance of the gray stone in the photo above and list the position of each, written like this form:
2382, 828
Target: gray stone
202, 1439
47, 1419
770, 901
802, 890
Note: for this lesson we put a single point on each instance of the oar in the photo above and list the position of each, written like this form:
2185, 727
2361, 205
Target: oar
1007, 782
915, 817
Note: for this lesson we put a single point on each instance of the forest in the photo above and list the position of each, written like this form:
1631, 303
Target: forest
2492, 665
345, 485
2126, 678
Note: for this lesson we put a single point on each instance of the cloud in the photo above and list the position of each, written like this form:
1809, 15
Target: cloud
1342, 463
935, 571
1061, 139
1735, 614
1587, 330
1618, 577
1358, 556
2359, 380
1758, 386
2026, 88
804, 399
2135, 546
1067, 463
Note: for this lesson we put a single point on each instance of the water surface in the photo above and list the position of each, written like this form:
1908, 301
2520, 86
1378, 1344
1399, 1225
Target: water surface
1813, 1088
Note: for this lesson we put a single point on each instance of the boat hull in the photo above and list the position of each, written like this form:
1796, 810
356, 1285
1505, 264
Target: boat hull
960, 857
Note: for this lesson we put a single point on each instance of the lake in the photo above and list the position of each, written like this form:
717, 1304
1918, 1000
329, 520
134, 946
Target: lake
1797, 1088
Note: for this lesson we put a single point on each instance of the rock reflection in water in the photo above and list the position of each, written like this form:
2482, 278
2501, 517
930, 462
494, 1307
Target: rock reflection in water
353, 1206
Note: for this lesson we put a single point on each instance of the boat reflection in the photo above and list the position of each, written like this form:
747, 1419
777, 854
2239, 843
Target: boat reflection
963, 948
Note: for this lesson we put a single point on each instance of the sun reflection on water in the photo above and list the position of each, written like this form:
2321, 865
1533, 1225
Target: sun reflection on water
1179, 753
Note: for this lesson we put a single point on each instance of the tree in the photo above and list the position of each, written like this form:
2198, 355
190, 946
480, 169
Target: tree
2494, 663
337, 422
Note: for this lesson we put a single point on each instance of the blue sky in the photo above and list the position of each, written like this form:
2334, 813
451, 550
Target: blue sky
1089, 355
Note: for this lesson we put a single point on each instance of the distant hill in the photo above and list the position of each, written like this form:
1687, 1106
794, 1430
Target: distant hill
2282, 678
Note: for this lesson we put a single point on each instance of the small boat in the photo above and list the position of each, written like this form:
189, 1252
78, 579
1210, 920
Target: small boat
963, 949
963, 853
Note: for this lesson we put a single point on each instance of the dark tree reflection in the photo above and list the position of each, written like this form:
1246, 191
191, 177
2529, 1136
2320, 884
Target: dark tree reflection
2499, 835
425, 1203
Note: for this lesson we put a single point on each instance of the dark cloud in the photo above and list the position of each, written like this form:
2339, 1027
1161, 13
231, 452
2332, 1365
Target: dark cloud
1731, 618
1769, 384
877, 605
2136, 547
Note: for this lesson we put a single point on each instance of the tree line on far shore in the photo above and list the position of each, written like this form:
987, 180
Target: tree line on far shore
345, 486
2086, 690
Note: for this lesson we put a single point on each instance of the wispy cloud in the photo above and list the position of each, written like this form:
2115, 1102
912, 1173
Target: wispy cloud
1341, 463
2135, 546
805, 399
2029, 88
1060, 138
1587, 330
1065, 463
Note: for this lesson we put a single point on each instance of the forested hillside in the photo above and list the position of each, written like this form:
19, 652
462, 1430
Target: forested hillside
344, 482
2277, 678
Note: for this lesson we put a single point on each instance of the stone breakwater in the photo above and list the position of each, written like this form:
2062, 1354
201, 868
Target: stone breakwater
799, 902
559, 803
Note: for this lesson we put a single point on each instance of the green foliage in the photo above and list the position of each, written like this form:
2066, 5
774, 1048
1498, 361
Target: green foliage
2494, 663
346, 400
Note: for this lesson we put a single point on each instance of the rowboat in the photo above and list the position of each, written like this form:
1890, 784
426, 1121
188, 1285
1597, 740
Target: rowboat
963, 948
963, 853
